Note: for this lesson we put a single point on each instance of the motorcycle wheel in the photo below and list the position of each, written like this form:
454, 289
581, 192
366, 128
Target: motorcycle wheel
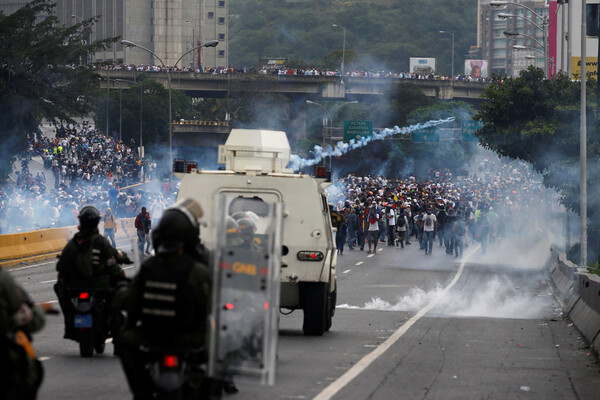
99, 345
86, 343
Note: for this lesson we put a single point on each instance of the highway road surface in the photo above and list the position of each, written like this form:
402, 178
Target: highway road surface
407, 326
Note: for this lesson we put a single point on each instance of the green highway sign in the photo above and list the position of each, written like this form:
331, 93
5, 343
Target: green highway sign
357, 129
468, 131
426, 135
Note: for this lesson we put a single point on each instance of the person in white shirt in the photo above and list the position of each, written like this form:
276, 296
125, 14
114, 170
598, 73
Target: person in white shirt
429, 230
373, 231
391, 225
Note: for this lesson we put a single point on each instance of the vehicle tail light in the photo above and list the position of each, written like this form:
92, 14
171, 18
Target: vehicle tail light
170, 361
310, 256
84, 295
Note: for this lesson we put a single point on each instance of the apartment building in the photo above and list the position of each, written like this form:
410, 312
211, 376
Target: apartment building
512, 35
169, 28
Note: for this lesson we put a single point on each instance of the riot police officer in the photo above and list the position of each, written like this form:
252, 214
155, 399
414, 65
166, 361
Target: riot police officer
168, 301
87, 261
20, 372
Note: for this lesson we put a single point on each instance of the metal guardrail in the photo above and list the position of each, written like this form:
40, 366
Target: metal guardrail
201, 123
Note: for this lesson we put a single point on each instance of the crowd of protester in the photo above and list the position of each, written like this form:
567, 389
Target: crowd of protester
81, 165
297, 72
498, 202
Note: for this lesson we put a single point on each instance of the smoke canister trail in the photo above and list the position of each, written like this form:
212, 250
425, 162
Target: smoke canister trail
341, 148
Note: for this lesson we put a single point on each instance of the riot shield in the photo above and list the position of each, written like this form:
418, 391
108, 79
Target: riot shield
245, 302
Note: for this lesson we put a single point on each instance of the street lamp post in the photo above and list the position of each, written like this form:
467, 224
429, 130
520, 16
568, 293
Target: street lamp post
543, 28
127, 43
141, 116
330, 120
521, 47
343, 47
107, 102
450, 33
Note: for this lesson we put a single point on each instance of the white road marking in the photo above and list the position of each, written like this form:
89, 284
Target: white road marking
346, 271
371, 345
33, 266
370, 255
43, 358
379, 249
366, 361
50, 281
109, 340
359, 263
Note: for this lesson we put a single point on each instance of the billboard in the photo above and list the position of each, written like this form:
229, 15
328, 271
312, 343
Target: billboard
591, 67
476, 68
271, 62
422, 64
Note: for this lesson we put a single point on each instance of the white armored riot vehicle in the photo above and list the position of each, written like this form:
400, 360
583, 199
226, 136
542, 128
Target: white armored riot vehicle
255, 170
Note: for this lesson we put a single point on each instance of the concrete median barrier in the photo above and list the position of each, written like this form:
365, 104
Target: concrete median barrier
580, 295
564, 279
44, 244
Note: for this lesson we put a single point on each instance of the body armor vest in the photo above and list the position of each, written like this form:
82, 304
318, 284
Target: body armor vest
165, 302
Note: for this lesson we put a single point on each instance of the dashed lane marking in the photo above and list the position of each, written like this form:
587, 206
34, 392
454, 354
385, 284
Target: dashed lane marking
370, 255
379, 249
346, 271
359, 263
332, 389
43, 358
50, 281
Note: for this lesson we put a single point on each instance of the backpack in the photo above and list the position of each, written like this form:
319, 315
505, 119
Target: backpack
401, 221
460, 228
88, 258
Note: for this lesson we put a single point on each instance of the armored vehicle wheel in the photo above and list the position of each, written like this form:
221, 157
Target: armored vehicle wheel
315, 308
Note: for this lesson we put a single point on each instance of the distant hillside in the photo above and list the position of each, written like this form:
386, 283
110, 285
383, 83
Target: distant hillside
381, 34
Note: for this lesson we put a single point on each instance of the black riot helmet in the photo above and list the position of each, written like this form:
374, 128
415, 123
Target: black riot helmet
247, 229
233, 236
178, 227
89, 217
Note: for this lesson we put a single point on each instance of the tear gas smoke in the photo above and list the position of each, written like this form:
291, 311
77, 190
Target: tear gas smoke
509, 280
500, 296
341, 148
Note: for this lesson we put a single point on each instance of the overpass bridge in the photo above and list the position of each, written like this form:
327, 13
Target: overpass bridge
323, 87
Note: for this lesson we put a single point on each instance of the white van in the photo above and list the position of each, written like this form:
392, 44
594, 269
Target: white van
255, 162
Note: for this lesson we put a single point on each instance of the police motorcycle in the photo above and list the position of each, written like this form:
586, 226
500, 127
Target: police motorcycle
90, 318
162, 346
176, 372
93, 321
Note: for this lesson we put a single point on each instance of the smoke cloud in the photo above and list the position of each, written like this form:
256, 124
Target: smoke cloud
498, 296
341, 148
